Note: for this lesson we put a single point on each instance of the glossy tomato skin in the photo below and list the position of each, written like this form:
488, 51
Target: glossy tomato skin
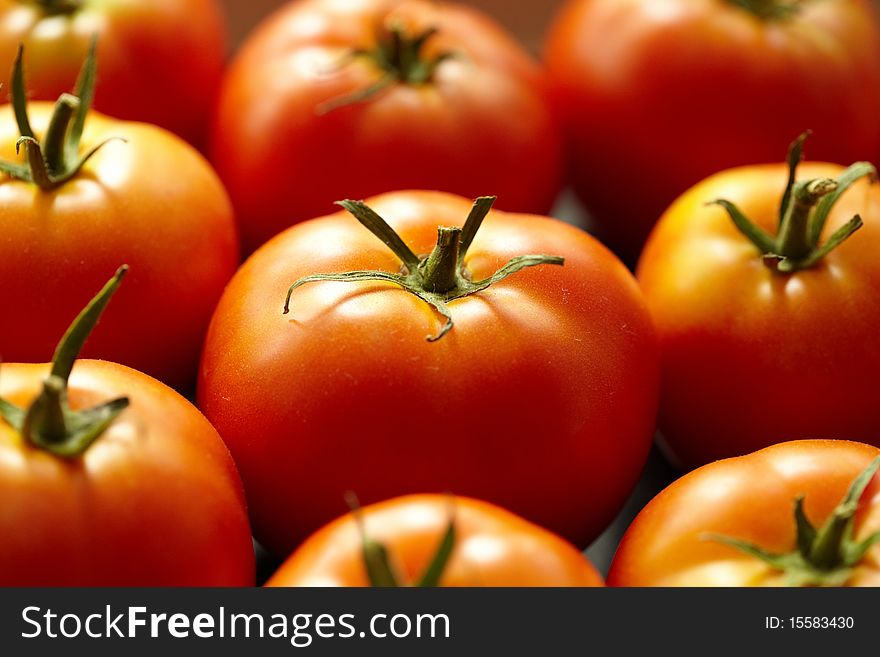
656, 95
482, 125
541, 399
493, 547
751, 357
153, 203
159, 61
751, 498
155, 501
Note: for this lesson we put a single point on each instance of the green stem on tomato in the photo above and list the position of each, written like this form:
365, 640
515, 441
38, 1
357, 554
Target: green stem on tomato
377, 561
55, 160
49, 423
793, 241
54, 143
823, 556
804, 211
400, 57
438, 279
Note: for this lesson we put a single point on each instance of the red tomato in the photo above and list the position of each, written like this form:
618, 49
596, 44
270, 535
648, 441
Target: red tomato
541, 398
487, 546
465, 112
655, 95
152, 202
683, 537
160, 61
154, 500
752, 355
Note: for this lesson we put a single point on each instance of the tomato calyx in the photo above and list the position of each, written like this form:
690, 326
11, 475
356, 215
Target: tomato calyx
803, 214
49, 423
398, 54
437, 279
377, 561
56, 7
56, 159
769, 9
825, 556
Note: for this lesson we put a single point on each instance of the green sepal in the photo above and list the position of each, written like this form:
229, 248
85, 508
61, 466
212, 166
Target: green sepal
437, 279
803, 214
56, 159
12, 414
806, 533
49, 423
822, 557
795, 157
377, 561
434, 572
399, 56
844, 181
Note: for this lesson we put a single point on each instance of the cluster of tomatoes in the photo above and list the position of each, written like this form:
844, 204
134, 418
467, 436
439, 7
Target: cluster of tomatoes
487, 381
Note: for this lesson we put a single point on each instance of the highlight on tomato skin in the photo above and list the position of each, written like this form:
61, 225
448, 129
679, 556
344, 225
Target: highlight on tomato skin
536, 392
434, 540
110, 478
350, 100
762, 282
800, 513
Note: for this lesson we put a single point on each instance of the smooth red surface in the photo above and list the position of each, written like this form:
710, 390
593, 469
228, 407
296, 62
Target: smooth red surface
481, 126
159, 61
541, 399
155, 501
153, 203
655, 95
493, 547
750, 498
752, 357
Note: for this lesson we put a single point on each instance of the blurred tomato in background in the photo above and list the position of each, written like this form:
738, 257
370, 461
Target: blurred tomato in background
159, 61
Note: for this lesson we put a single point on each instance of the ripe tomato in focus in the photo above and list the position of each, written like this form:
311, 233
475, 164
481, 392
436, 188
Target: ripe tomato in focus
156, 501
137, 491
677, 539
490, 547
656, 95
751, 355
152, 202
160, 61
541, 398
462, 109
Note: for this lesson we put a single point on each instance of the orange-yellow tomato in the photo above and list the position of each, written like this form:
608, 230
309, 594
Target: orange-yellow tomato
155, 501
751, 356
493, 547
152, 202
749, 498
